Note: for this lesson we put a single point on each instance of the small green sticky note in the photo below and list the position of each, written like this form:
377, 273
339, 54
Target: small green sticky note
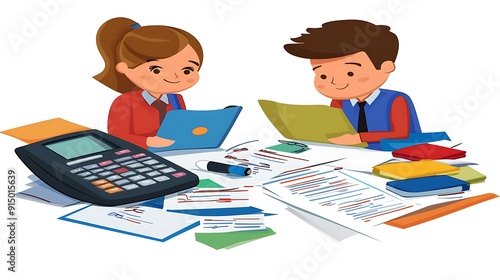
227, 240
208, 184
294, 149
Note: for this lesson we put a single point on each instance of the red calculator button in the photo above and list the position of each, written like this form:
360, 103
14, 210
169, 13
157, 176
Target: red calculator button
104, 163
120, 170
122, 152
114, 190
179, 174
139, 155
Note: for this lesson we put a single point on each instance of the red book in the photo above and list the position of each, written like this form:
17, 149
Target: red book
428, 151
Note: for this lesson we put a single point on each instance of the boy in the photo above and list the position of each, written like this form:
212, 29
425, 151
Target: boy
352, 59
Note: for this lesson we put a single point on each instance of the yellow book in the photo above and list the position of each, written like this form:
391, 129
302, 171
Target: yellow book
414, 169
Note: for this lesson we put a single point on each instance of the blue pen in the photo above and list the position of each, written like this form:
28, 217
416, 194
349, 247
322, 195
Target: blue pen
223, 168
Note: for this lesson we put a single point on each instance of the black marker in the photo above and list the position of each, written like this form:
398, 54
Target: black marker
223, 168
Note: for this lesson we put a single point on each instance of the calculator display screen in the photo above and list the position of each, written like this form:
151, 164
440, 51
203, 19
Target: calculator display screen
79, 146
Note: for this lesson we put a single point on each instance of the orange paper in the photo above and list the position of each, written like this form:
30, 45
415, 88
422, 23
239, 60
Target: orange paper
436, 211
44, 130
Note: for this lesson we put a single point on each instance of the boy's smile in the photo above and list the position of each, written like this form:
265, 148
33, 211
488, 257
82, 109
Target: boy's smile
343, 87
348, 77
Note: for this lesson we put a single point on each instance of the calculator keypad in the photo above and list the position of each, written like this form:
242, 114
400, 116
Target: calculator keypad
126, 172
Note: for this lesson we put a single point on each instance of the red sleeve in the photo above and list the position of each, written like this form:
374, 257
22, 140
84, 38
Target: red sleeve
181, 101
120, 122
336, 104
400, 123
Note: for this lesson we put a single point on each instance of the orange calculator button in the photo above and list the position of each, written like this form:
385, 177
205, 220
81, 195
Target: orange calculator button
105, 186
99, 182
113, 190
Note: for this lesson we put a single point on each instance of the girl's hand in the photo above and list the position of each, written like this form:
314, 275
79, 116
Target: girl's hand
157, 142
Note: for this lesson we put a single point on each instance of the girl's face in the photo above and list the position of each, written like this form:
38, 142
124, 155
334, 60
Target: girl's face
172, 74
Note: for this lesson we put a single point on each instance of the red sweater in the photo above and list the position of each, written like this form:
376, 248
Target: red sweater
400, 122
131, 118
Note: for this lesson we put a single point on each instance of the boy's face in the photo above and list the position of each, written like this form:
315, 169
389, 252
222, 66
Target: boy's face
348, 77
172, 74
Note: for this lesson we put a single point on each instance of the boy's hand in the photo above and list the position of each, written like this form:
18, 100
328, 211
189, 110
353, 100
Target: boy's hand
346, 139
157, 142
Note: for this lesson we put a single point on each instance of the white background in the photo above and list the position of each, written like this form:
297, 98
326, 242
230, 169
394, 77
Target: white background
446, 50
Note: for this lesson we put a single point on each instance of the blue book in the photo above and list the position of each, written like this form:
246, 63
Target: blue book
192, 129
425, 186
413, 139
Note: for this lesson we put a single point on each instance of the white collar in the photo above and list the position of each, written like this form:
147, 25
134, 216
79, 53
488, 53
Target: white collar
369, 100
150, 99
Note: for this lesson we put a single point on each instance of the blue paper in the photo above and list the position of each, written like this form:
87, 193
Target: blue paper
155, 202
197, 129
219, 211
413, 139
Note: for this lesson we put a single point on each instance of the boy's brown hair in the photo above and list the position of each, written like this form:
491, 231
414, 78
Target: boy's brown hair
344, 37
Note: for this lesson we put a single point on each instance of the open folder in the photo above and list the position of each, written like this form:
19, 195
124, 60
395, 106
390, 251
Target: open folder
192, 129
313, 123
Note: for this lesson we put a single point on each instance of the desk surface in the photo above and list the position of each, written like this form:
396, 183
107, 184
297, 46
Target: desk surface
456, 246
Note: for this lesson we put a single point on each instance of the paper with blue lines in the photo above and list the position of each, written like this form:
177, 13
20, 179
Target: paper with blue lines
233, 223
338, 196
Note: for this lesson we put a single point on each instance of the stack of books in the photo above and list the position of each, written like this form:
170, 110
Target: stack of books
424, 175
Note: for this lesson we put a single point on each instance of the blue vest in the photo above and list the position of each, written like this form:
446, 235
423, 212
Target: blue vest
379, 112
173, 99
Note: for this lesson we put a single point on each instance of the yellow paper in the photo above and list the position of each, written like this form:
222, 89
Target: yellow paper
414, 169
44, 130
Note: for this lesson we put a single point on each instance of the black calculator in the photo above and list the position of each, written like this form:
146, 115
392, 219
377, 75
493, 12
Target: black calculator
99, 168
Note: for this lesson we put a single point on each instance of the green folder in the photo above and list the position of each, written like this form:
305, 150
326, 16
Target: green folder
208, 184
227, 240
313, 123
470, 175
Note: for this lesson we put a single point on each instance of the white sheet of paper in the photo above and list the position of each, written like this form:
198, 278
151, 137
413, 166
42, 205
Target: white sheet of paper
146, 222
340, 197
232, 223
209, 199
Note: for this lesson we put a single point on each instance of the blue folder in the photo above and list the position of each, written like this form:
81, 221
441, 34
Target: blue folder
413, 139
192, 129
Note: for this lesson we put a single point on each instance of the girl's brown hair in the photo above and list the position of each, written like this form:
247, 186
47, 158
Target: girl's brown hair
122, 40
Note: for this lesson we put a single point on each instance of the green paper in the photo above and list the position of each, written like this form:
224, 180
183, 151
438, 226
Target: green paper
228, 240
208, 184
288, 148
314, 123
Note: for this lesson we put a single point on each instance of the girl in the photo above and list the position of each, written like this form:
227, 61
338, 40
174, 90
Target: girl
148, 65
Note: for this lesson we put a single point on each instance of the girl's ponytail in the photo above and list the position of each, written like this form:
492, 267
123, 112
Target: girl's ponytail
109, 37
